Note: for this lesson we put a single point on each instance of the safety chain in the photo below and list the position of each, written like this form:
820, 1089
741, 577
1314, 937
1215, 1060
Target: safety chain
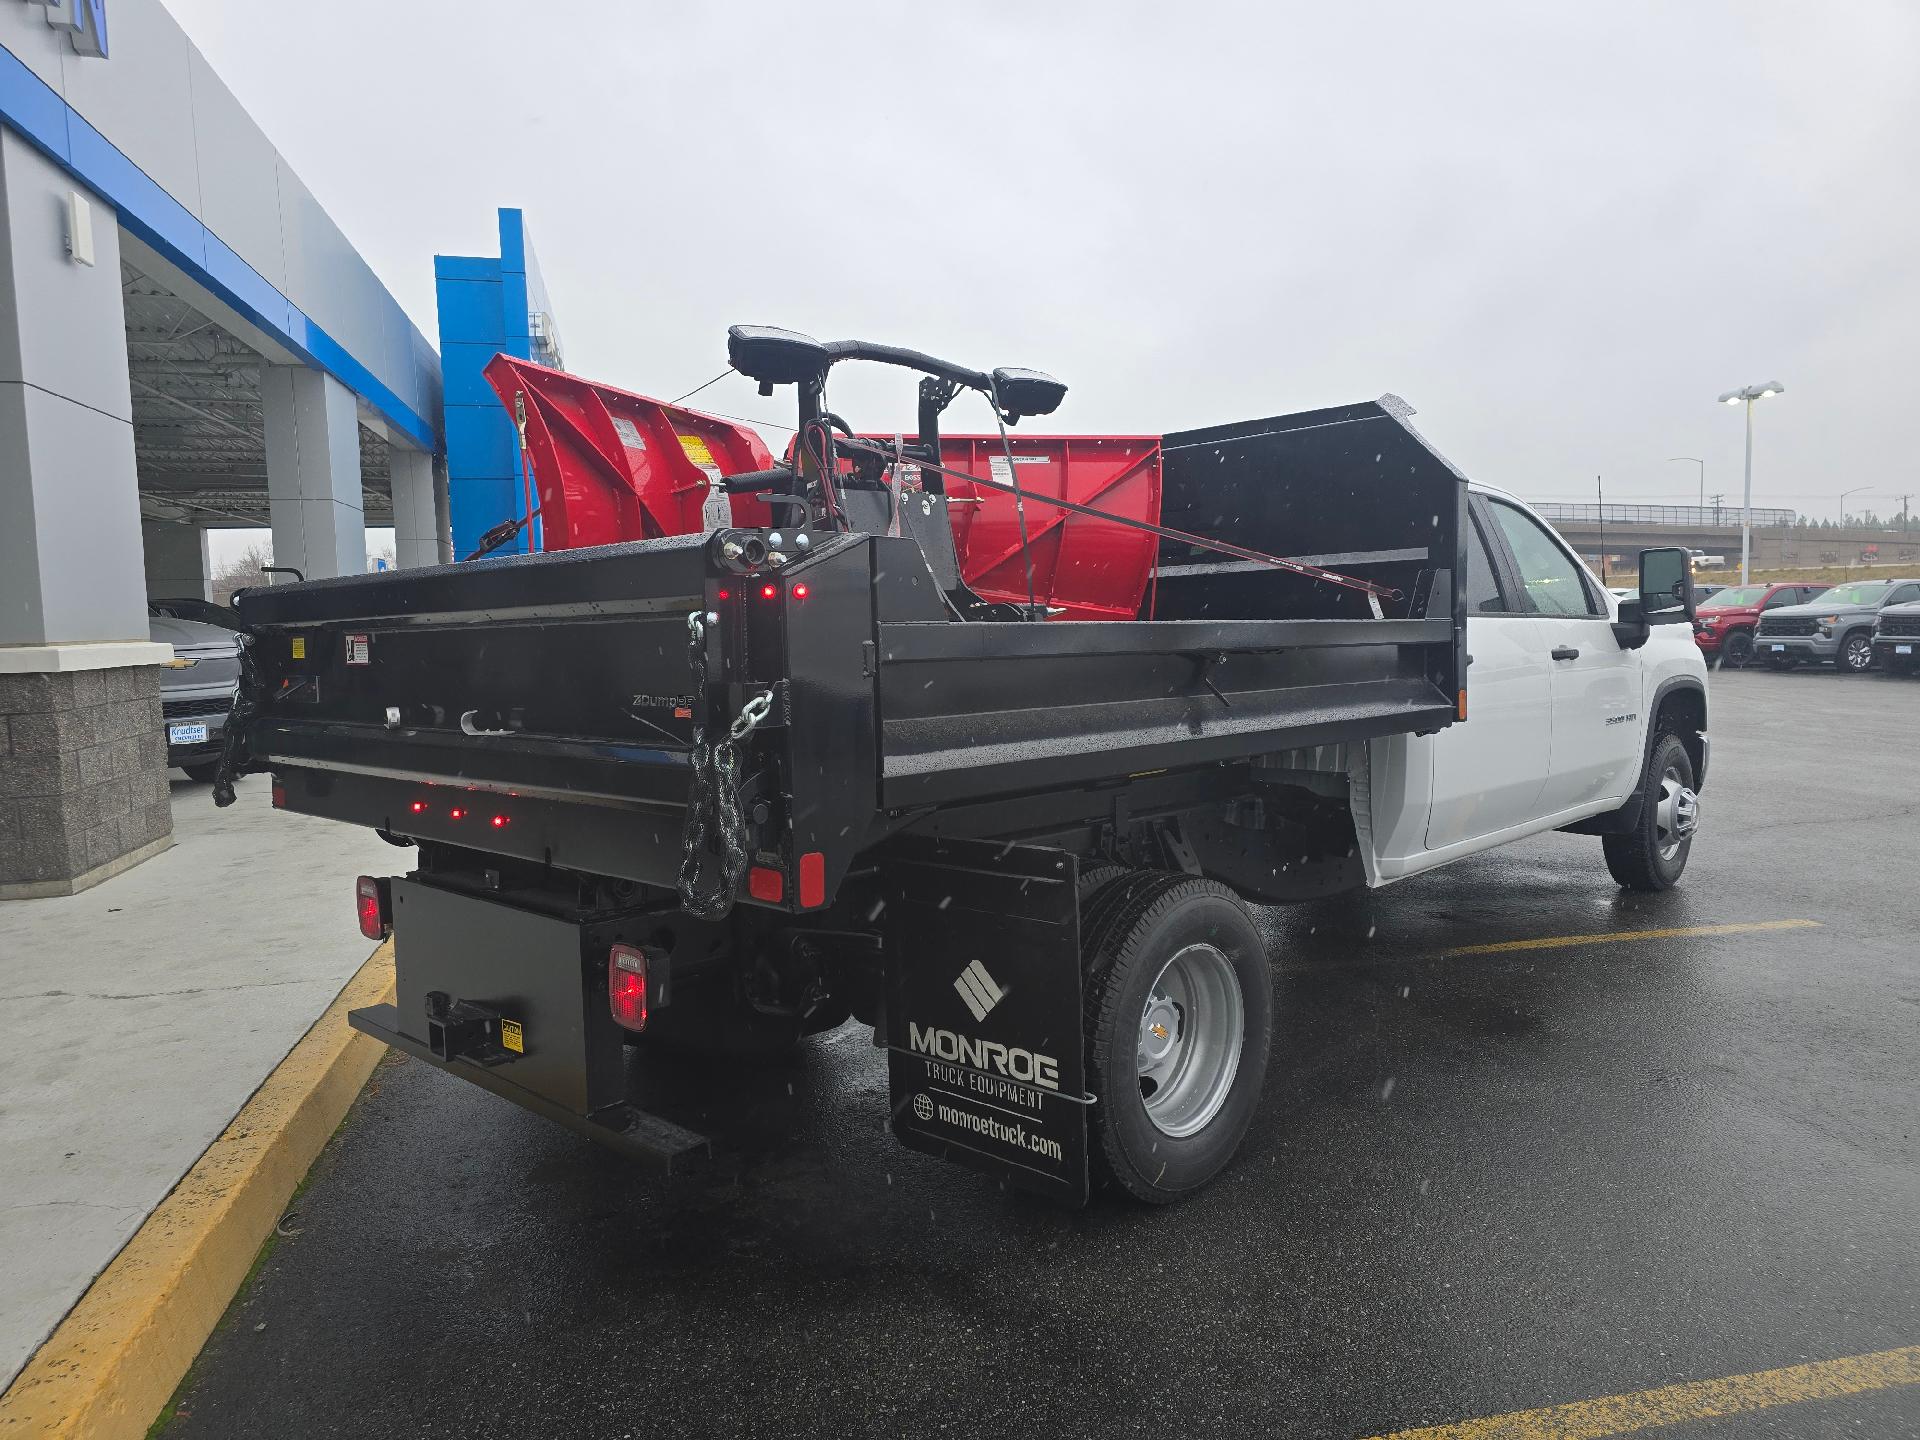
713, 793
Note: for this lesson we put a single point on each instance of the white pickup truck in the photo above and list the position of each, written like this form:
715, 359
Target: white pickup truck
714, 792
1577, 721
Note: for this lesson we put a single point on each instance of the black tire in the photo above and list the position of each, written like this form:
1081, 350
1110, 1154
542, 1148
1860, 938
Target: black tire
1855, 656
1151, 918
203, 772
1100, 873
1737, 649
1649, 859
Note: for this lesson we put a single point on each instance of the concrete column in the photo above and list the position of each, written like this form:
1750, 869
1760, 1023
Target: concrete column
179, 564
313, 472
417, 528
83, 784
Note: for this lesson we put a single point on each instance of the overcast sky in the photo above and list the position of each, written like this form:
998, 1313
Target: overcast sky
1559, 232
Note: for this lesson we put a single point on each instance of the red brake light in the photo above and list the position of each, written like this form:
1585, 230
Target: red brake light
723, 594
456, 813
370, 899
500, 822
418, 807
800, 591
627, 986
769, 592
279, 796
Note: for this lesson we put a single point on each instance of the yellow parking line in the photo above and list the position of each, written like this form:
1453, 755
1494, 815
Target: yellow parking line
1696, 1400
1614, 937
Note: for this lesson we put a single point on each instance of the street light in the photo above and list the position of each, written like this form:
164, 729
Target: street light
1703, 474
1843, 499
1746, 397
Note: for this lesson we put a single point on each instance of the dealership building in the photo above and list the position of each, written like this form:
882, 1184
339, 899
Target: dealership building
189, 342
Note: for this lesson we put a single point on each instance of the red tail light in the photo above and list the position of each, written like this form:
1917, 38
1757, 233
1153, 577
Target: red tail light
627, 986
800, 591
370, 899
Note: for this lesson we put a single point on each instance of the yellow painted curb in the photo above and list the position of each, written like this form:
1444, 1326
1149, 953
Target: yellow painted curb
120, 1353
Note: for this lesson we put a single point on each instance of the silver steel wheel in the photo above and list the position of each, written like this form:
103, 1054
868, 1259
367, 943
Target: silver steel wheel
1190, 1036
1676, 814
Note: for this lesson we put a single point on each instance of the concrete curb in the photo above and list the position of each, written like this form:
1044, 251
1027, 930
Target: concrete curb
121, 1351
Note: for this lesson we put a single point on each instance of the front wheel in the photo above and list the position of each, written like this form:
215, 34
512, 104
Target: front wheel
1737, 649
1856, 654
1653, 855
1179, 1021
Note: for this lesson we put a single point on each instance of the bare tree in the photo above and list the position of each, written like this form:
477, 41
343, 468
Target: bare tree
242, 570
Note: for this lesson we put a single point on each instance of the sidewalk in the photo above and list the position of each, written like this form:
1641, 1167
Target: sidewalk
142, 1014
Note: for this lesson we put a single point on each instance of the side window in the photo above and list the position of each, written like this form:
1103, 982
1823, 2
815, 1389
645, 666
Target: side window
1788, 596
1553, 581
1905, 595
1483, 590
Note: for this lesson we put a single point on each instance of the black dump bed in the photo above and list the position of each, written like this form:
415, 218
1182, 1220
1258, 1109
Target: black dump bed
544, 706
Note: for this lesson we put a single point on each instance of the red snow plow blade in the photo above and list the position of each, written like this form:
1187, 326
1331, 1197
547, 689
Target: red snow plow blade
609, 465
1087, 569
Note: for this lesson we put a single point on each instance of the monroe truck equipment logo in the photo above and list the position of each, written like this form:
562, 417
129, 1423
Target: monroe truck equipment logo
978, 989
990, 1055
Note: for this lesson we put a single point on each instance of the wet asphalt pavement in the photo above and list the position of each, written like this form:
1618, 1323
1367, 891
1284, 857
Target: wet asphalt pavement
1477, 1184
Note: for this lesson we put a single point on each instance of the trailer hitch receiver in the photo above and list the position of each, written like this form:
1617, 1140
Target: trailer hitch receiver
462, 1030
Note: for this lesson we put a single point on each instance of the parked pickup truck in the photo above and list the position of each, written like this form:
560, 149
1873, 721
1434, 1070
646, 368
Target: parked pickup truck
1836, 625
1726, 619
718, 789
1896, 639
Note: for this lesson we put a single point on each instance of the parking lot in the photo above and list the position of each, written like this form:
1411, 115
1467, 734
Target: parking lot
1527, 1140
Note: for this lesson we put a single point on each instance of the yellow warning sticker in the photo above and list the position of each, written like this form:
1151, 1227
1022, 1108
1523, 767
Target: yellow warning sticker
696, 449
299, 647
512, 1038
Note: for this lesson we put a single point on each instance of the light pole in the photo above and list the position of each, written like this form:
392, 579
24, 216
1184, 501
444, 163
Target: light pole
1843, 500
1747, 396
1703, 474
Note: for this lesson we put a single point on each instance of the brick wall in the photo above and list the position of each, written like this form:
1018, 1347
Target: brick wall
83, 773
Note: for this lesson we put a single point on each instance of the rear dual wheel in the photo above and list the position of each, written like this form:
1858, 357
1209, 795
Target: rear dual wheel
1179, 1019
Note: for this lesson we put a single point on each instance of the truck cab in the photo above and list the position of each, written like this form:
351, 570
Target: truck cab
1563, 702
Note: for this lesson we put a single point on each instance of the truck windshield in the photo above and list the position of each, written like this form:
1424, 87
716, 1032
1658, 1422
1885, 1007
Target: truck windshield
1738, 595
1867, 592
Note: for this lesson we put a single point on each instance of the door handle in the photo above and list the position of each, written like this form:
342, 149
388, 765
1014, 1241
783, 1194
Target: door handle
1565, 652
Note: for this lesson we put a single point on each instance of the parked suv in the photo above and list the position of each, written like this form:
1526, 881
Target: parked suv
1726, 619
1896, 639
1835, 625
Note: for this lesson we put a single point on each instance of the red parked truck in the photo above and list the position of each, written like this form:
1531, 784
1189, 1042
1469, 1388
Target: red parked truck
1724, 626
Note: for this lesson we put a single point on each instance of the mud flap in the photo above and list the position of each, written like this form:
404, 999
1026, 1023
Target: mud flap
985, 1048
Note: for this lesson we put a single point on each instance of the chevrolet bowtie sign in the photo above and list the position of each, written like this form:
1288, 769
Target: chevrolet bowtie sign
84, 21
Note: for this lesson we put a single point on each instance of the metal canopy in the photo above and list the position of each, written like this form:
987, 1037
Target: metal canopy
198, 437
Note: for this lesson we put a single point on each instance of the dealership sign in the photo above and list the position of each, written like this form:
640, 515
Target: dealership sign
85, 22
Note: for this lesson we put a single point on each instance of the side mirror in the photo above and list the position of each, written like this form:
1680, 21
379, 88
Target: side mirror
1666, 586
